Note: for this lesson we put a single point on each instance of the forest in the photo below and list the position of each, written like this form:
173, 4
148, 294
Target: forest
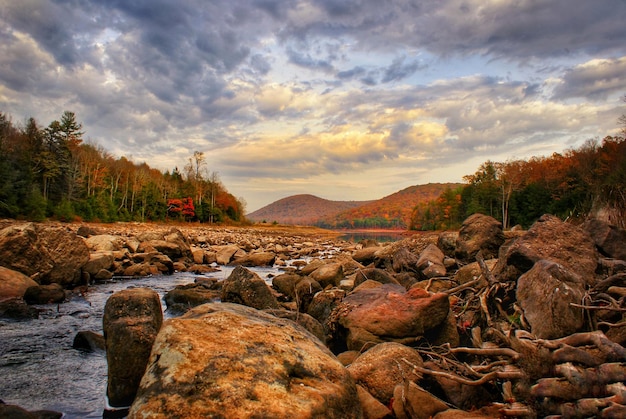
51, 173
589, 180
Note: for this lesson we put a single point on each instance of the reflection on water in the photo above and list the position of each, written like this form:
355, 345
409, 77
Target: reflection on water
39, 369
380, 236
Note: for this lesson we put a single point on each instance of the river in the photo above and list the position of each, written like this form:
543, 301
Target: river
39, 369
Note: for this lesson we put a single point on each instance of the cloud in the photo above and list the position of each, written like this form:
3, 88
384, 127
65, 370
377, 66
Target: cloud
595, 79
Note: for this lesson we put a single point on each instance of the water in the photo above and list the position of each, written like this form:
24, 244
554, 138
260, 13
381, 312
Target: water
39, 369
380, 236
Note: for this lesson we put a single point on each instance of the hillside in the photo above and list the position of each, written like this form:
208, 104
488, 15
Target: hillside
393, 211
301, 210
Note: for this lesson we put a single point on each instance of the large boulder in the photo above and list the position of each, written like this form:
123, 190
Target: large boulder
550, 238
479, 233
389, 313
183, 297
546, 294
610, 240
48, 254
381, 368
227, 360
246, 287
13, 283
329, 274
98, 261
131, 321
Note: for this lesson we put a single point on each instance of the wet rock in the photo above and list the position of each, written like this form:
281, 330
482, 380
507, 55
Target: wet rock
545, 294
610, 240
551, 239
245, 287
479, 232
11, 411
389, 313
13, 283
305, 291
17, 309
380, 369
286, 283
430, 262
227, 360
321, 307
45, 294
131, 321
89, 341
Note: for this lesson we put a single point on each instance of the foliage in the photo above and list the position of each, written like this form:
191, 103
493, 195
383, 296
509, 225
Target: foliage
50, 172
575, 184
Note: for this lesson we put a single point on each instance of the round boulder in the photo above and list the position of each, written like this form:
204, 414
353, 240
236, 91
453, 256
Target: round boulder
232, 361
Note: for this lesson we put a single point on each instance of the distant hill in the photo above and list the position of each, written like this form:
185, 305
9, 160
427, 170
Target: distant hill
301, 210
393, 211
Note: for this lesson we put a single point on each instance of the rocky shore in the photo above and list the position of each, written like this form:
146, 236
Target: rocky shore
476, 323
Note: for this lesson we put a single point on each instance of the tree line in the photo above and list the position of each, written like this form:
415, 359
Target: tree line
589, 180
50, 172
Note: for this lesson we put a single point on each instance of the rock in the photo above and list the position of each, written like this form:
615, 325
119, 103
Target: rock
223, 254
89, 341
176, 237
545, 293
183, 297
367, 255
256, 259
104, 243
11, 411
403, 260
410, 401
372, 408
227, 360
131, 321
381, 368
551, 239
98, 261
430, 262
13, 283
286, 284
305, 291
48, 254
245, 287
17, 309
447, 242
389, 313
329, 274
479, 232
140, 269
374, 274
169, 249
472, 271
303, 319
45, 294
610, 240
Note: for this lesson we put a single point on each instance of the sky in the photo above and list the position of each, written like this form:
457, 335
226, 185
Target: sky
343, 99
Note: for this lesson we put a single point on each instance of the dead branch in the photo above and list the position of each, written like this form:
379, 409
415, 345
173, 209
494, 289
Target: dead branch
487, 352
611, 350
494, 375
485, 269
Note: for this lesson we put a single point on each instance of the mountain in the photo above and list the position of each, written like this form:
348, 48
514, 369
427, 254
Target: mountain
393, 211
301, 210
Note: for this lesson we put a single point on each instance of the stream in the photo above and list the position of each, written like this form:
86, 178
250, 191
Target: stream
39, 369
